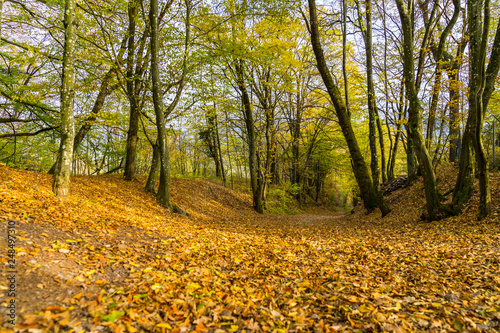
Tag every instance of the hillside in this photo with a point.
(111, 260)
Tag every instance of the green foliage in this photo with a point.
(281, 199)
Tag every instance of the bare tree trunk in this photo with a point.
(415, 113)
(437, 155)
(372, 112)
(344, 56)
(397, 138)
(359, 166)
(1, 15)
(154, 170)
(438, 74)
(383, 164)
(163, 195)
(481, 85)
(133, 130)
(219, 151)
(478, 32)
(229, 153)
(454, 124)
(251, 137)
(104, 91)
(62, 173)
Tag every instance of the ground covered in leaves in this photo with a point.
(111, 260)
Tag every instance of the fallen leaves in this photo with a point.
(141, 269)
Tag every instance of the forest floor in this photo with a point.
(111, 260)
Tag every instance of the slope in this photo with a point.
(111, 260)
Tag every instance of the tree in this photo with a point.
(415, 112)
(163, 196)
(481, 78)
(251, 137)
(372, 111)
(62, 173)
(137, 62)
(359, 166)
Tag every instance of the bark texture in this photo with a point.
(163, 196)
(360, 168)
(372, 112)
(154, 171)
(62, 173)
(415, 113)
(478, 32)
(251, 137)
(133, 129)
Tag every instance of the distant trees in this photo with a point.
(257, 92)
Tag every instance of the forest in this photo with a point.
(326, 101)
(236, 165)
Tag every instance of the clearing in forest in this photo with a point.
(111, 260)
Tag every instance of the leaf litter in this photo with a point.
(111, 260)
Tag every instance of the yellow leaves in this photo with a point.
(89, 273)
(164, 325)
(417, 315)
(258, 272)
(365, 308)
(64, 318)
(90, 247)
(351, 298)
(192, 287)
(130, 328)
(131, 263)
(233, 328)
(78, 296)
(394, 308)
(74, 240)
(156, 287)
(304, 284)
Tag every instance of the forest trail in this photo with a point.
(111, 260)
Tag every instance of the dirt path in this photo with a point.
(294, 273)
(309, 218)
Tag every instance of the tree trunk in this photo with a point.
(344, 56)
(438, 152)
(62, 172)
(454, 124)
(219, 151)
(415, 114)
(397, 138)
(154, 170)
(438, 74)
(1, 15)
(104, 91)
(383, 164)
(295, 126)
(385, 175)
(465, 180)
(478, 32)
(438, 52)
(251, 137)
(163, 196)
(359, 166)
(372, 112)
(133, 130)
